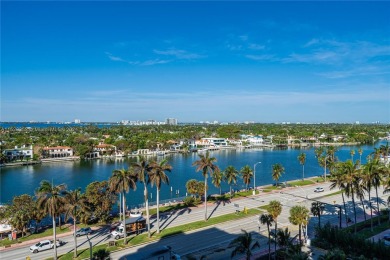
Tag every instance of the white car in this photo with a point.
(319, 189)
(44, 245)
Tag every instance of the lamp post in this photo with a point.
(254, 178)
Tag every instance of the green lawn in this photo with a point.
(364, 228)
(47, 232)
(301, 183)
(135, 240)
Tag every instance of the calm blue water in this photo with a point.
(25, 179)
(50, 124)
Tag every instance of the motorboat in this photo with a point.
(135, 213)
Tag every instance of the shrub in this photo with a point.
(191, 201)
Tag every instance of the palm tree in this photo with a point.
(302, 160)
(101, 254)
(247, 175)
(360, 151)
(283, 238)
(367, 182)
(75, 203)
(143, 169)
(376, 171)
(322, 159)
(231, 176)
(316, 209)
(299, 215)
(360, 189)
(50, 200)
(266, 219)
(121, 181)
(338, 181)
(157, 177)
(274, 209)
(277, 171)
(352, 153)
(244, 244)
(350, 171)
(216, 180)
(207, 166)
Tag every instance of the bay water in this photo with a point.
(78, 174)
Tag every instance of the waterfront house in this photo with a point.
(19, 153)
(255, 140)
(213, 142)
(175, 147)
(235, 142)
(57, 152)
(109, 150)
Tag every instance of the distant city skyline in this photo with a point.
(254, 61)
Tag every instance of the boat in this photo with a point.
(202, 150)
(135, 213)
(160, 153)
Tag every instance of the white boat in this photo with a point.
(135, 213)
(202, 150)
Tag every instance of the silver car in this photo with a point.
(83, 231)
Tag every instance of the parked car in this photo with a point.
(319, 189)
(83, 231)
(44, 245)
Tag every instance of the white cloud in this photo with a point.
(114, 58)
(179, 54)
(149, 62)
(254, 46)
(154, 62)
(266, 57)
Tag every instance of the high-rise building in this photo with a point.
(77, 121)
(171, 121)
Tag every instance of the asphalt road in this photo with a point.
(216, 238)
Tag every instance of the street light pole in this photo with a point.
(254, 178)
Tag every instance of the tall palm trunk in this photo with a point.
(303, 172)
(120, 207)
(345, 209)
(124, 218)
(369, 199)
(55, 238)
(158, 210)
(300, 234)
(74, 235)
(319, 218)
(269, 243)
(354, 209)
(276, 228)
(377, 204)
(205, 197)
(325, 169)
(147, 207)
(364, 211)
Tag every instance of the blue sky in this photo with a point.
(225, 61)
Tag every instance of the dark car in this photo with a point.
(83, 231)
